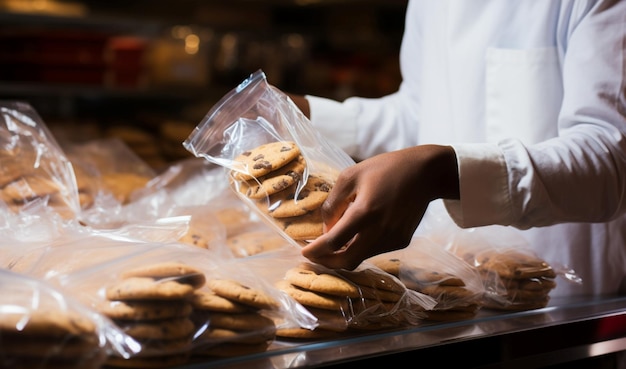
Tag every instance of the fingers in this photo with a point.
(337, 203)
(335, 237)
(362, 246)
(344, 258)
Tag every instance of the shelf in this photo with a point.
(19, 89)
(114, 24)
(565, 331)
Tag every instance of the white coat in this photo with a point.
(532, 96)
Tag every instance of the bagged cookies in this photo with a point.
(514, 277)
(171, 302)
(108, 174)
(342, 302)
(34, 167)
(429, 268)
(273, 158)
(41, 327)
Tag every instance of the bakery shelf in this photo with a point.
(566, 331)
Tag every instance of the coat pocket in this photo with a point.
(524, 91)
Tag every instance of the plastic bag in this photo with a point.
(170, 301)
(34, 167)
(273, 157)
(342, 301)
(431, 269)
(41, 327)
(108, 175)
(514, 276)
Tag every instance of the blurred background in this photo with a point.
(147, 71)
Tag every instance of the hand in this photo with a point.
(376, 205)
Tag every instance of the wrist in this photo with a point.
(440, 164)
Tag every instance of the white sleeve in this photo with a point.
(579, 176)
(366, 127)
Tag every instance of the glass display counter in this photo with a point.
(567, 330)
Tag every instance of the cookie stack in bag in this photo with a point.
(270, 178)
(230, 317)
(340, 300)
(151, 304)
(45, 338)
(515, 279)
(455, 301)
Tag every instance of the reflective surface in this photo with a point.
(566, 330)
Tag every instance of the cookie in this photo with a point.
(430, 276)
(145, 310)
(254, 242)
(447, 292)
(160, 330)
(386, 263)
(144, 288)
(28, 188)
(332, 320)
(179, 272)
(286, 204)
(274, 182)
(311, 298)
(219, 335)
(376, 294)
(513, 264)
(242, 322)
(308, 278)
(198, 237)
(264, 159)
(50, 338)
(233, 219)
(517, 295)
(377, 279)
(164, 346)
(242, 294)
(44, 323)
(13, 166)
(209, 301)
(304, 227)
(46, 347)
(122, 184)
(529, 284)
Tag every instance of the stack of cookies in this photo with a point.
(341, 300)
(229, 316)
(46, 338)
(515, 279)
(456, 298)
(151, 305)
(271, 176)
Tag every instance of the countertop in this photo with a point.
(566, 330)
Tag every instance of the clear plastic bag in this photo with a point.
(34, 167)
(41, 327)
(256, 117)
(429, 268)
(515, 278)
(168, 301)
(342, 301)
